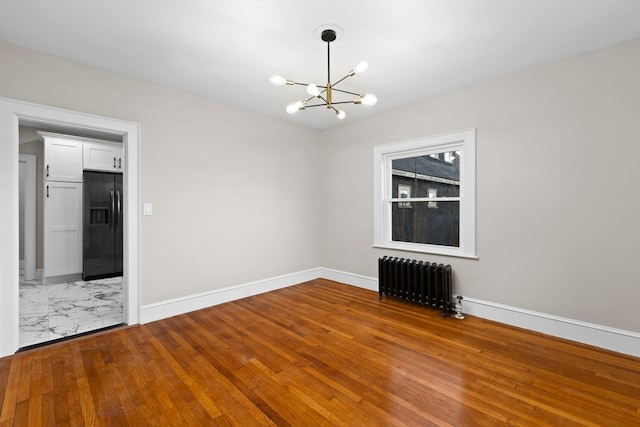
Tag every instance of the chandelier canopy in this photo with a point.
(322, 95)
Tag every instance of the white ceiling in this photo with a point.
(227, 50)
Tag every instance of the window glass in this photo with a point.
(432, 176)
(424, 224)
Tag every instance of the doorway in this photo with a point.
(14, 114)
(64, 299)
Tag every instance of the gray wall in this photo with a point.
(557, 182)
(230, 188)
(558, 199)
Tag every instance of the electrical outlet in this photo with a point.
(147, 209)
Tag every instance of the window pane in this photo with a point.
(439, 172)
(433, 223)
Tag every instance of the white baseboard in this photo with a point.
(618, 340)
(164, 309)
(350, 279)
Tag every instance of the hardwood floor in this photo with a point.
(319, 354)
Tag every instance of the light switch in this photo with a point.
(147, 209)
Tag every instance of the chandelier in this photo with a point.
(322, 95)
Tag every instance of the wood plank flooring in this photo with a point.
(319, 354)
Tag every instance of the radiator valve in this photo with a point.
(458, 308)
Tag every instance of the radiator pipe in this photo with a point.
(458, 308)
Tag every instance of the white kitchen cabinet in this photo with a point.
(103, 156)
(62, 229)
(62, 158)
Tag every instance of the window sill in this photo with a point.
(425, 250)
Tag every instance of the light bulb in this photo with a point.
(296, 106)
(313, 90)
(341, 114)
(278, 80)
(292, 108)
(361, 67)
(369, 99)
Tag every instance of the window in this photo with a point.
(432, 194)
(404, 192)
(435, 177)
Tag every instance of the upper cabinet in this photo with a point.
(66, 156)
(62, 158)
(103, 157)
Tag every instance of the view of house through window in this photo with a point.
(434, 217)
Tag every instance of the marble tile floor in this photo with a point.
(54, 311)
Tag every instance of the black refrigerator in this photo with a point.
(102, 229)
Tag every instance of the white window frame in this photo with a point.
(383, 155)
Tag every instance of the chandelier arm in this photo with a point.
(316, 105)
(324, 88)
(342, 102)
(321, 97)
(309, 99)
(346, 91)
(342, 79)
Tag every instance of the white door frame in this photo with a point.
(29, 219)
(14, 113)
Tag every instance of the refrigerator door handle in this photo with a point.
(119, 210)
(113, 210)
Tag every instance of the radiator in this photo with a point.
(421, 282)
